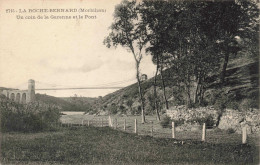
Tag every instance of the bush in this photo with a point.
(166, 121)
(178, 122)
(33, 117)
(230, 131)
(112, 109)
(208, 120)
(248, 104)
(233, 105)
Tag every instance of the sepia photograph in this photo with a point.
(129, 82)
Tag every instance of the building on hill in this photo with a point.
(143, 77)
(22, 96)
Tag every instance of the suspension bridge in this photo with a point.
(43, 86)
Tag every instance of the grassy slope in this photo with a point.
(91, 145)
(241, 81)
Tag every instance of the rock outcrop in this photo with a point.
(236, 120)
(229, 119)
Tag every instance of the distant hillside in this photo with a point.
(79, 103)
(68, 103)
(241, 87)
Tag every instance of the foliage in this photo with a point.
(178, 122)
(33, 117)
(112, 109)
(195, 39)
(248, 104)
(192, 41)
(166, 121)
(74, 103)
(208, 120)
(230, 131)
(129, 32)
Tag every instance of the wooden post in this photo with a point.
(244, 135)
(173, 130)
(152, 129)
(82, 122)
(109, 122)
(115, 123)
(124, 124)
(135, 126)
(88, 123)
(204, 132)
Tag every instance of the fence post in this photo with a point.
(204, 132)
(124, 124)
(136, 126)
(152, 129)
(115, 123)
(88, 123)
(244, 135)
(173, 130)
(109, 122)
(82, 122)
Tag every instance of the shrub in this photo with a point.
(208, 120)
(230, 131)
(112, 109)
(122, 109)
(233, 105)
(178, 122)
(33, 117)
(165, 123)
(248, 104)
(221, 103)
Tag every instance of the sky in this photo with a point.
(60, 53)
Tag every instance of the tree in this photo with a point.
(128, 31)
(196, 39)
(225, 22)
(177, 41)
(159, 16)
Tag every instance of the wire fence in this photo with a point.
(150, 128)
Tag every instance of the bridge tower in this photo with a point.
(31, 91)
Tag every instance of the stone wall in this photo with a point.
(182, 112)
(236, 120)
(229, 119)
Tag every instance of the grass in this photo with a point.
(213, 135)
(91, 145)
(103, 145)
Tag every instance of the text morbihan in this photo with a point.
(92, 10)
